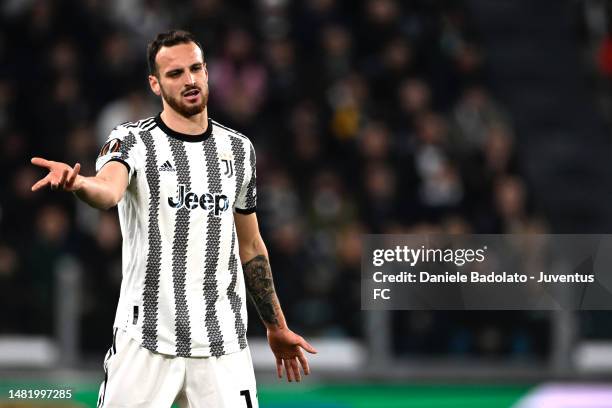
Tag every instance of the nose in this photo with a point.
(190, 78)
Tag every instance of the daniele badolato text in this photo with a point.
(470, 258)
(478, 277)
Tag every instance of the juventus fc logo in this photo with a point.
(229, 167)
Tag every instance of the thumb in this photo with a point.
(306, 346)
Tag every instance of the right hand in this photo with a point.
(61, 176)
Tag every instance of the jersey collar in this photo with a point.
(183, 136)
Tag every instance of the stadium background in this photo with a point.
(372, 116)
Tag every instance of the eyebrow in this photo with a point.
(179, 70)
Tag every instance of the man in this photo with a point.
(186, 196)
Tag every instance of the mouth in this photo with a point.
(192, 94)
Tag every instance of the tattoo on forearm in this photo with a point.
(259, 283)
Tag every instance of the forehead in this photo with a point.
(178, 56)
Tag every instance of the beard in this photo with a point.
(181, 107)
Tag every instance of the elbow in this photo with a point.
(113, 202)
(109, 203)
(116, 200)
(104, 206)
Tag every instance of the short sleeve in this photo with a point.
(246, 202)
(121, 146)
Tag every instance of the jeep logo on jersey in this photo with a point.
(207, 201)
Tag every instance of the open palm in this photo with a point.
(61, 176)
(287, 348)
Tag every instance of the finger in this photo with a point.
(304, 362)
(39, 161)
(73, 174)
(288, 370)
(306, 346)
(279, 367)
(63, 178)
(296, 370)
(40, 184)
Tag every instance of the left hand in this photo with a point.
(287, 348)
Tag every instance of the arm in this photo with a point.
(103, 191)
(286, 345)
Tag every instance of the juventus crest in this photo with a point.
(227, 164)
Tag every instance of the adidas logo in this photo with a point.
(167, 166)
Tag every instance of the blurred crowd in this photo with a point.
(595, 22)
(371, 116)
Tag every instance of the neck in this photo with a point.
(194, 125)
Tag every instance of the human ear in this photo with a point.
(154, 84)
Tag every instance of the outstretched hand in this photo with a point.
(61, 176)
(287, 348)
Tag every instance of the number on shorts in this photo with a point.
(247, 397)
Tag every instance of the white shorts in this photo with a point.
(137, 377)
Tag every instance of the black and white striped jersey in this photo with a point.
(183, 290)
